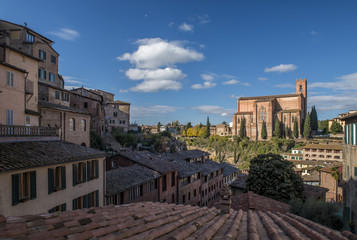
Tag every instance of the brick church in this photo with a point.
(286, 108)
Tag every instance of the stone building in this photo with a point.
(287, 108)
(327, 153)
(349, 173)
(49, 176)
(327, 180)
(223, 130)
(230, 173)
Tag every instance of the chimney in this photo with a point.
(226, 199)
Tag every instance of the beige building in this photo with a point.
(54, 176)
(223, 130)
(328, 153)
(287, 108)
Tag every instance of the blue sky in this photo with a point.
(184, 60)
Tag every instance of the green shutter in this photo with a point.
(84, 172)
(51, 210)
(39, 73)
(85, 201)
(74, 170)
(74, 204)
(96, 168)
(97, 198)
(88, 171)
(15, 189)
(64, 207)
(45, 74)
(63, 177)
(32, 184)
(51, 180)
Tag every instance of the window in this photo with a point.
(59, 208)
(42, 74)
(27, 120)
(83, 125)
(57, 95)
(115, 106)
(300, 88)
(86, 201)
(152, 185)
(72, 124)
(93, 169)
(9, 117)
(194, 193)
(9, 79)
(42, 54)
(23, 187)
(56, 179)
(85, 104)
(355, 171)
(29, 37)
(115, 114)
(85, 171)
(135, 192)
(53, 59)
(173, 179)
(65, 96)
(52, 77)
(164, 183)
(189, 196)
(173, 198)
(183, 198)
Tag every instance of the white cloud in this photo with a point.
(262, 79)
(68, 87)
(66, 34)
(217, 110)
(151, 111)
(347, 82)
(205, 85)
(234, 96)
(208, 77)
(186, 27)
(203, 19)
(171, 23)
(285, 85)
(334, 102)
(282, 68)
(149, 74)
(231, 82)
(156, 52)
(123, 90)
(156, 85)
(72, 80)
(313, 32)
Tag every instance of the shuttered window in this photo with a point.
(56, 179)
(59, 208)
(10, 79)
(9, 117)
(23, 187)
(85, 171)
(86, 201)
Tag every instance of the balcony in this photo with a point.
(16, 133)
(29, 87)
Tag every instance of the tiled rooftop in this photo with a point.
(270, 96)
(324, 146)
(208, 166)
(148, 220)
(228, 168)
(184, 168)
(24, 155)
(314, 192)
(60, 107)
(240, 181)
(150, 160)
(122, 178)
(194, 153)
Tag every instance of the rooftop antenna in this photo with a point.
(25, 24)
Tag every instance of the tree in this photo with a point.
(188, 125)
(264, 133)
(208, 128)
(202, 132)
(224, 123)
(323, 126)
(158, 126)
(307, 126)
(242, 128)
(336, 128)
(196, 130)
(287, 132)
(277, 128)
(296, 129)
(272, 176)
(313, 118)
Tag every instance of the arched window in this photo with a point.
(83, 125)
(300, 88)
(238, 120)
(72, 124)
(262, 114)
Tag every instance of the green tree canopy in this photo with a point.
(296, 129)
(277, 128)
(313, 118)
(336, 128)
(264, 133)
(307, 126)
(272, 176)
(323, 126)
(208, 128)
(242, 131)
(287, 132)
(202, 132)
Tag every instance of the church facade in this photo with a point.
(286, 108)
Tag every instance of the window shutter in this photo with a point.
(63, 177)
(8, 78)
(88, 171)
(89, 200)
(51, 210)
(96, 168)
(84, 172)
(51, 180)
(74, 204)
(85, 201)
(45, 74)
(74, 170)
(15, 189)
(64, 207)
(346, 134)
(97, 198)
(32, 184)
(39, 73)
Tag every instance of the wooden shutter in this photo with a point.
(97, 198)
(84, 172)
(32, 184)
(85, 201)
(74, 204)
(15, 189)
(96, 168)
(64, 207)
(74, 170)
(51, 180)
(88, 171)
(63, 177)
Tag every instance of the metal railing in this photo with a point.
(15, 130)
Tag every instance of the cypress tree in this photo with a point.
(296, 129)
(307, 126)
(264, 133)
(287, 132)
(277, 128)
(242, 128)
(208, 125)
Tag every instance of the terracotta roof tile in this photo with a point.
(228, 168)
(149, 220)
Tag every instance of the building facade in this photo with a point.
(287, 108)
(327, 153)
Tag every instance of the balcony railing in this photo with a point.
(14, 131)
